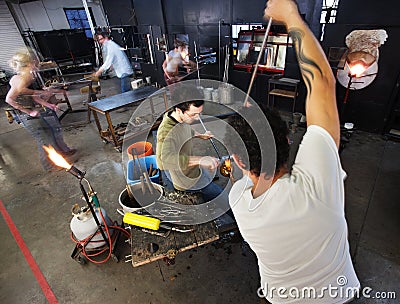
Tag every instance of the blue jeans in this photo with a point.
(46, 130)
(205, 186)
(125, 84)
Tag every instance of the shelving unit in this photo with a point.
(249, 44)
(283, 87)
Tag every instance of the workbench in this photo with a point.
(148, 246)
(169, 246)
(107, 105)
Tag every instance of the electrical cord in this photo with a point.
(83, 243)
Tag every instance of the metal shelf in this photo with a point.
(283, 87)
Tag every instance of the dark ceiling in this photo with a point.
(20, 1)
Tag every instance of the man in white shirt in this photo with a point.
(115, 57)
(294, 221)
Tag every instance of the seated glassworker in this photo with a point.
(188, 172)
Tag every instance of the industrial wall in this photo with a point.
(11, 38)
(47, 15)
(207, 22)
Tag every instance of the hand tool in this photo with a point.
(141, 176)
(144, 174)
(169, 211)
(211, 140)
(129, 191)
(151, 223)
(141, 221)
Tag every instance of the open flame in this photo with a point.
(357, 69)
(228, 163)
(57, 158)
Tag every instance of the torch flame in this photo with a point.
(57, 158)
(357, 69)
(228, 163)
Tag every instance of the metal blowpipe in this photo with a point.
(212, 142)
(258, 61)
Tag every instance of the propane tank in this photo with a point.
(83, 225)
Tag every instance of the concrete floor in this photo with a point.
(39, 204)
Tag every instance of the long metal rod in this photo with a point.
(258, 61)
(212, 142)
(219, 49)
(197, 61)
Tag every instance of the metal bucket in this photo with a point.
(131, 204)
(225, 94)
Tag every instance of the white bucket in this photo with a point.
(131, 205)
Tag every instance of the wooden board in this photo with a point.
(174, 241)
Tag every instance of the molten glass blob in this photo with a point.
(226, 168)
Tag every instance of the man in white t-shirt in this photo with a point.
(294, 221)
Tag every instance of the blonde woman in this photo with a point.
(33, 107)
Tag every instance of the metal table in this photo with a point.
(107, 105)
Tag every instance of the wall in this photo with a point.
(369, 12)
(11, 39)
(47, 15)
(119, 12)
(202, 19)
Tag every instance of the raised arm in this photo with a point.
(321, 106)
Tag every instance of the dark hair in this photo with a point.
(184, 106)
(252, 157)
(178, 43)
(103, 31)
(184, 95)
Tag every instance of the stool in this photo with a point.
(283, 87)
(92, 89)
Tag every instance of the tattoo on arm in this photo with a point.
(307, 65)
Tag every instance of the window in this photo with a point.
(328, 14)
(236, 28)
(77, 19)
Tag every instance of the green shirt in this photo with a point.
(174, 147)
